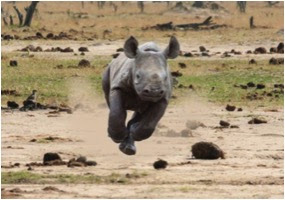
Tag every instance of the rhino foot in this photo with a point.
(128, 146)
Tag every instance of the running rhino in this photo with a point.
(139, 80)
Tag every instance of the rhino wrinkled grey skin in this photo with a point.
(139, 80)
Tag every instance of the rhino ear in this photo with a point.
(173, 48)
(131, 47)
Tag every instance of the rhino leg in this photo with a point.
(117, 117)
(106, 84)
(147, 121)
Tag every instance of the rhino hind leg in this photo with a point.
(106, 84)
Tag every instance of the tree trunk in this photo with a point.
(30, 12)
(20, 16)
(251, 22)
(11, 20)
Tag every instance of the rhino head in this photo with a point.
(150, 73)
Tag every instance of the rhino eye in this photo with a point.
(138, 76)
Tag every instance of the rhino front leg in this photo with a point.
(117, 117)
(144, 128)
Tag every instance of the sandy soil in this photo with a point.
(253, 167)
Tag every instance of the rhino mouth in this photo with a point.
(153, 98)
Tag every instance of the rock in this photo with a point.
(249, 52)
(12, 104)
(276, 61)
(260, 86)
(188, 54)
(186, 133)
(252, 61)
(243, 87)
(207, 150)
(81, 159)
(182, 65)
(279, 86)
(239, 109)
(83, 49)
(90, 163)
(224, 123)
(257, 121)
(50, 157)
(75, 164)
(250, 84)
(160, 164)
(273, 50)
(13, 63)
(84, 63)
(260, 50)
(120, 50)
(234, 126)
(205, 54)
(176, 74)
(82, 54)
(50, 36)
(33, 140)
(202, 48)
(39, 35)
(67, 50)
(280, 47)
(115, 55)
(230, 108)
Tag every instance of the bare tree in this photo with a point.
(242, 6)
(30, 11)
(20, 16)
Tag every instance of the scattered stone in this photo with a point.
(202, 48)
(83, 49)
(260, 50)
(160, 164)
(230, 108)
(280, 47)
(176, 74)
(257, 121)
(81, 159)
(188, 54)
(30, 168)
(252, 61)
(33, 140)
(13, 63)
(12, 105)
(120, 50)
(207, 150)
(273, 50)
(250, 84)
(67, 50)
(39, 35)
(276, 61)
(260, 86)
(234, 126)
(249, 52)
(182, 65)
(9, 92)
(84, 63)
(90, 163)
(50, 36)
(82, 54)
(48, 157)
(239, 109)
(224, 123)
(205, 54)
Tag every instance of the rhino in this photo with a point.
(138, 80)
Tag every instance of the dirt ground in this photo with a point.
(253, 167)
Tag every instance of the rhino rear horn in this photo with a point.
(131, 47)
(173, 48)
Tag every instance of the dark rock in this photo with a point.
(243, 87)
(83, 49)
(202, 48)
(249, 52)
(224, 123)
(12, 105)
(276, 61)
(205, 54)
(273, 50)
(81, 159)
(257, 121)
(239, 109)
(50, 36)
(234, 126)
(50, 157)
(115, 55)
(230, 108)
(13, 63)
(252, 61)
(260, 86)
(176, 74)
(120, 50)
(280, 47)
(39, 35)
(182, 65)
(188, 54)
(207, 150)
(84, 63)
(160, 164)
(33, 140)
(260, 50)
(90, 163)
(250, 84)
(67, 50)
